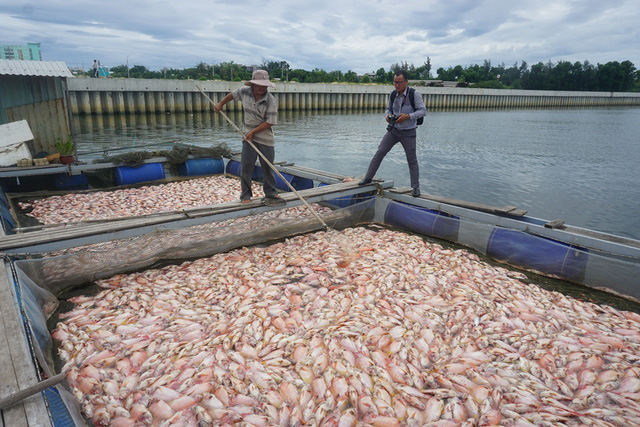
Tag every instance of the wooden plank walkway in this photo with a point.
(17, 371)
(507, 210)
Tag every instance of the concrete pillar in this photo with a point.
(150, 102)
(197, 101)
(160, 106)
(119, 102)
(73, 103)
(107, 102)
(140, 105)
(290, 101)
(84, 106)
(128, 102)
(96, 103)
(178, 102)
(188, 102)
(169, 102)
(205, 105)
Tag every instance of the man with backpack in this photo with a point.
(403, 118)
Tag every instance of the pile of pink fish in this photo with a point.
(365, 326)
(101, 205)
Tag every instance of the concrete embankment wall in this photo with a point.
(116, 96)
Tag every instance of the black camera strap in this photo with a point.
(393, 98)
(410, 95)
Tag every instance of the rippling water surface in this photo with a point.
(582, 166)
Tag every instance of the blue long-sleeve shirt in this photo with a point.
(399, 108)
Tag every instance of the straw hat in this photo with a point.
(261, 78)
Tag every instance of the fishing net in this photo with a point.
(180, 153)
(59, 273)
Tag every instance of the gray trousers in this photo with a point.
(247, 165)
(408, 140)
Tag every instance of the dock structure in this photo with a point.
(120, 96)
(16, 366)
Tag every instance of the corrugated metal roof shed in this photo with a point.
(35, 91)
(11, 67)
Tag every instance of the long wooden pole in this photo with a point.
(30, 391)
(266, 160)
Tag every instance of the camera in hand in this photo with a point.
(392, 121)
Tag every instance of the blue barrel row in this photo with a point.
(125, 175)
(510, 246)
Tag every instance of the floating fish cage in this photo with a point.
(383, 309)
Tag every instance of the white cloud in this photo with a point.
(361, 36)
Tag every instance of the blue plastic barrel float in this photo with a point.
(206, 166)
(234, 168)
(296, 182)
(71, 182)
(133, 175)
(344, 201)
(539, 253)
(422, 220)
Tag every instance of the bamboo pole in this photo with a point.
(267, 161)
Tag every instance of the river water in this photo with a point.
(581, 166)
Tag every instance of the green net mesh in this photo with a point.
(180, 153)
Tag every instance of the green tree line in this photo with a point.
(613, 76)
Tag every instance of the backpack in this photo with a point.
(411, 99)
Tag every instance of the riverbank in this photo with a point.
(115, 96)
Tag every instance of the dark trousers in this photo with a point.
(408, 140)
(248, 163)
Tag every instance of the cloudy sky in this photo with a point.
(361, 36)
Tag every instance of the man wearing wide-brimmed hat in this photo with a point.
(260, 114)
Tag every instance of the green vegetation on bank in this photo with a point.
(613, 76)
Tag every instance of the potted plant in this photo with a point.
(66, 150)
